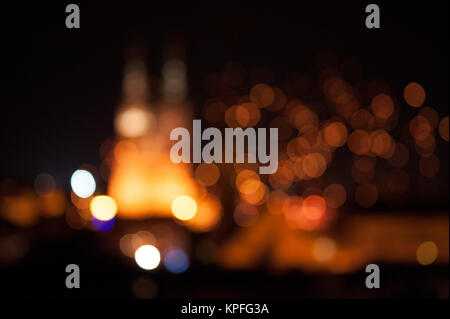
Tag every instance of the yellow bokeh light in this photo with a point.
(103, 207)
(184, 207)
(134, 121)
(427, 253)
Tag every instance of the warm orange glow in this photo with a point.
(443, 128)
(306, 217)
(335, 134)
(255, 192)
(292, 207)
(297, 147)
(302, 116)
(126, 152)
(231, 116)
(365, 238)
(427, 146)
(420, 128)
(382, 106)
(431, 115)
(244, 176)
(427, 253)
(250, 186)
(21, 210)
(282, 179)
(262, 95)
(414, 94)
(335, 195)
(279, 101)
(79, 202)
(359, 142)
(314, 207)
(103, 207)
(314, 165)
(382, 144)
(362, 119)
(324, 249)
(134, 121)
(149, 183)
(184, 207)
(275, 202)
(341, 94)
(208, 216)
(129, 243)
(245, 215)
(247, 114)
(207, 174)
(53, 204)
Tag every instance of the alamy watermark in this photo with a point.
(212, 152)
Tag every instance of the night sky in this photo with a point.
(65, 85)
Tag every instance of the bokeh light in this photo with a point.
(207, 174)
(245, 215)
(443, 128)
(208, 216)
(83, 183)
(176, 261)
(414, 94)
(335, 134)
(103, 207)
(103, 226)
(314, 207)
(134, 121)
(382, 106)
(359, 142)
(147, 257)
(335, 195)
(184, 207)
(262, 95)
(427, 253)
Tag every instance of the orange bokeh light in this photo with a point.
(335, 134)
(414, 94)
(382, 106)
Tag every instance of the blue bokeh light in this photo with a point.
(101, 225)
(176, 261)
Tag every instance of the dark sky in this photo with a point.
(62, 86)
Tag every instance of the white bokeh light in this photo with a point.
(83, 183)
(147, 257)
